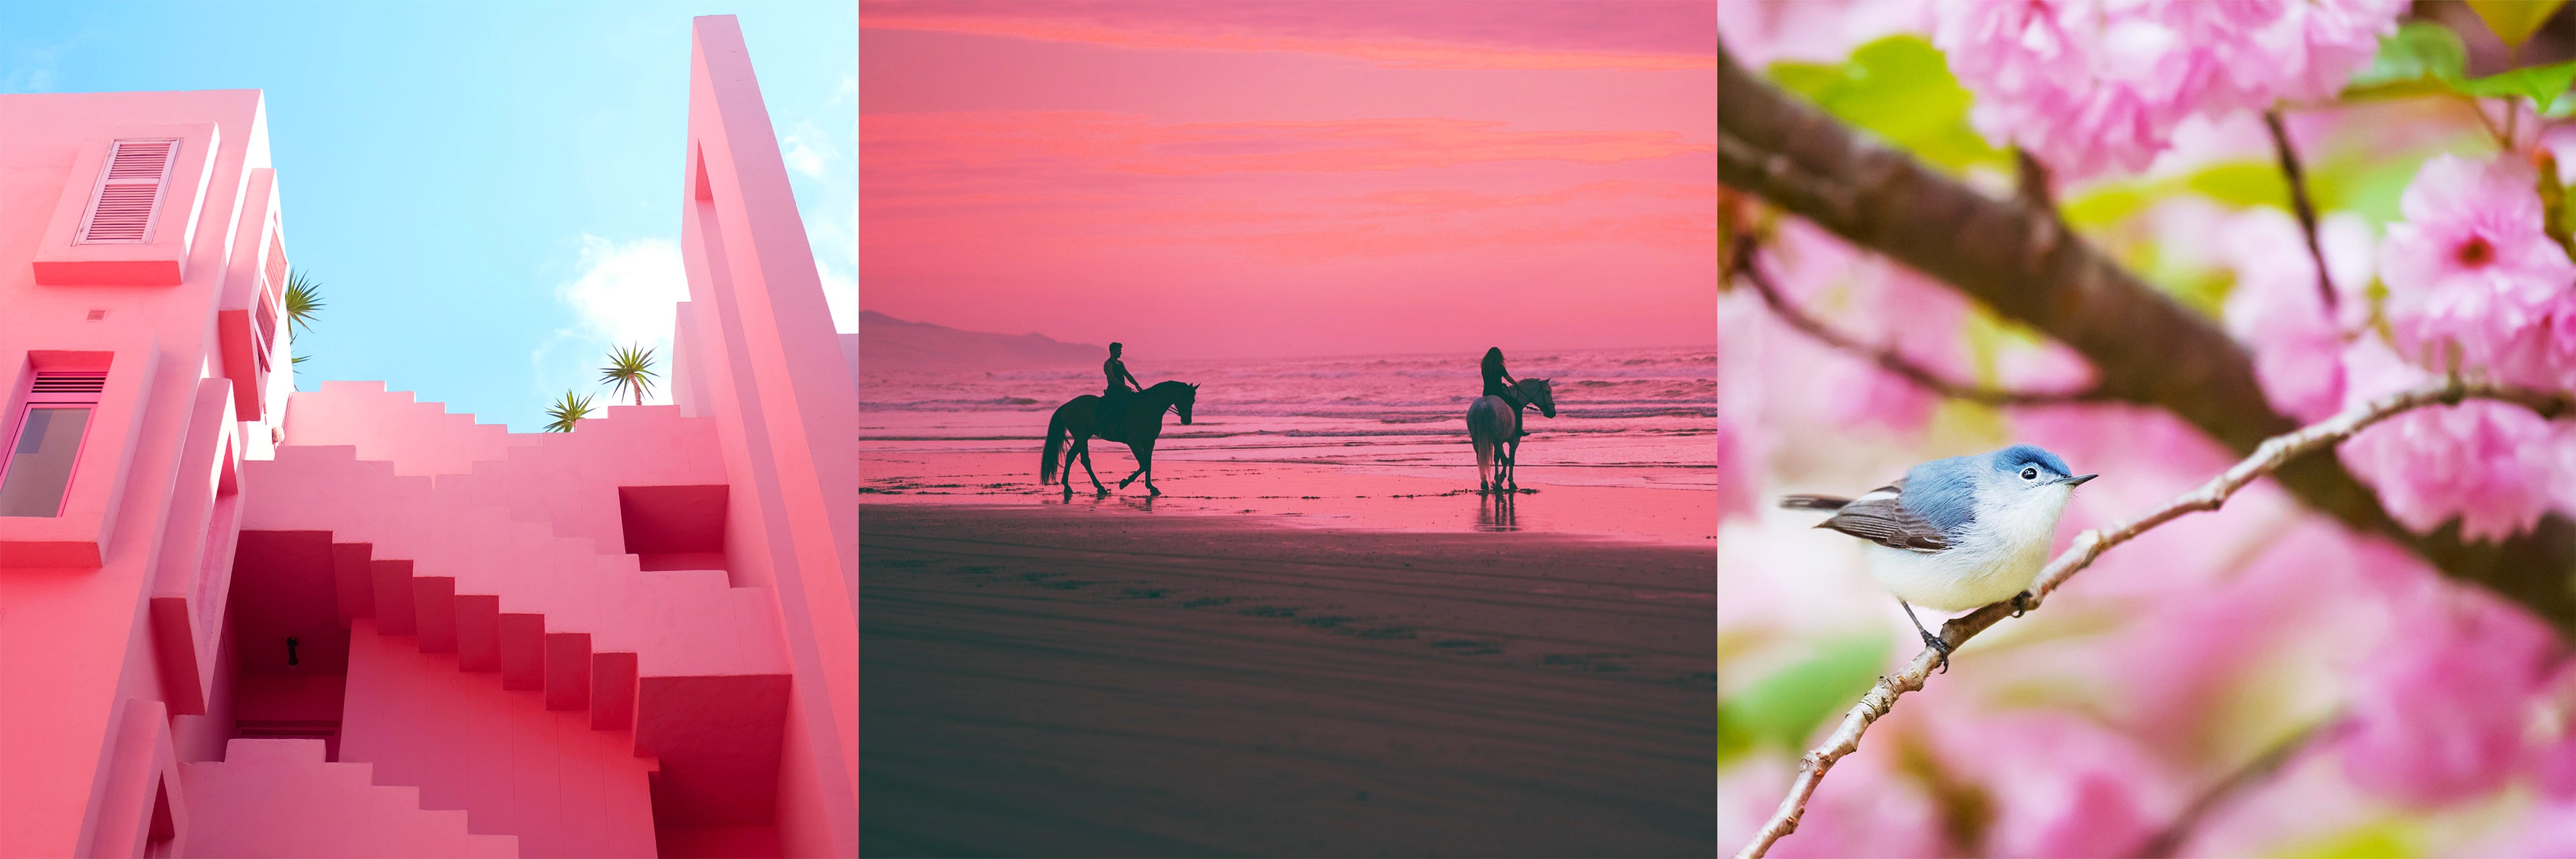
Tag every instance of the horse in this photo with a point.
(1498, 438)
(1079, 419)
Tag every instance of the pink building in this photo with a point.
(240, 620)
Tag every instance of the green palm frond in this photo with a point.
(629, 371)
(303, 300)
(568, 412)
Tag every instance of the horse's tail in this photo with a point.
(1056, 434)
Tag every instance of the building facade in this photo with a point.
(242, 620)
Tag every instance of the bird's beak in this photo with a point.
(2079, 479)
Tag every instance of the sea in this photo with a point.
(1638, 417)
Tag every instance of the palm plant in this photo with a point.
(629, 371)
(303, 302)
(567, 412)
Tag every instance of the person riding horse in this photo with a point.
(1498, 381)
(1121, 383)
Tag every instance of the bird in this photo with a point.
(1954, 534)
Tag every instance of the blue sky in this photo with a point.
(489, 193)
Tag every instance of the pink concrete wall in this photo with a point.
(512, 765)
(278, 798)
(768, 366)
(75, 642)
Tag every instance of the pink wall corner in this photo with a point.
(138, 768)
(786, 409)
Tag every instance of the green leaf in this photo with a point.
(2542, 84)
(2515, 20)
(1807, 79)
(1900, 89)
(2421, 58)
(2242, 183)
(2378, 839)
(1781, 710)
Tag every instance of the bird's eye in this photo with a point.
(2029, 473)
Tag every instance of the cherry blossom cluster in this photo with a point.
(2093, 85)
(2475, 283)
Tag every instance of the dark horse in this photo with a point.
(1137, 429)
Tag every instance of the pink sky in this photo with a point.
(1223, 179)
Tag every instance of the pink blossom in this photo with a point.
(2062, 785)
(2090, 86)
(2548, 832)
(2323, 44)
(2275, 308)
(2490, 464)
(1738, 481)
(1760, 32)
(2442, 705)
(2472, 271)
(2555, 768)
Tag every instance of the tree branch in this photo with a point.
(2268, 457)
(1888, 358)
(2299, 204)
(2145, 348)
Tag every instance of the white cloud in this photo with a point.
(848, 93)
(834, 236)
(841, 293)
(622, 293)
(31, 67)
(808, 152)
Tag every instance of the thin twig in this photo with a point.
(2268, 457)
(2168, 841)
(2299, 203)
(1887, 357)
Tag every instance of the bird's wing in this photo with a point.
(1880, 517)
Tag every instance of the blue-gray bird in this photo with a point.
(1957, 533)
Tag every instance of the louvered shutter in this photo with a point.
(128, 199)
(53, 386)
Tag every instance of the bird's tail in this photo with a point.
(1812, 502)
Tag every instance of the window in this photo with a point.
(46, 442)
(123, 209)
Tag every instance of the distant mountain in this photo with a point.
(889, 343)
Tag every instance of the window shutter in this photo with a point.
(276, 264)
(70, 383)
(128, 199)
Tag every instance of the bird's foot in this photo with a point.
(1935, 642)
(2021, 603)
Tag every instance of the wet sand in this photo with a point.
(1097, 681)
(1554, 499)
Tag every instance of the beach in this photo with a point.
(1097, 680)
(1320, 640)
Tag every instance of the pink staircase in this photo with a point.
(279, 798)
(430, 440)
(690, 666)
